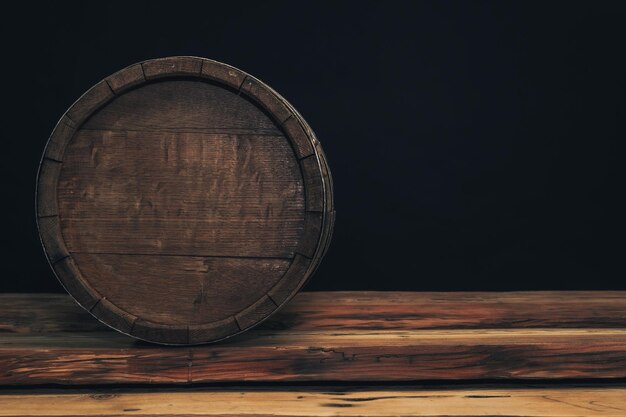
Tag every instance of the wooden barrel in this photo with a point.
(183, 201)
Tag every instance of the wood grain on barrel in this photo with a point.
(539, 401)
(336, 337)
(184, 193)
(196, 278)
(183, 105)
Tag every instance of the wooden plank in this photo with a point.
(158, 107)
(268, 100)
(179, 65)
(605, 401)
(126, 78)
(414, 355)
(313, 184)
(368, 310)
(226, 74)
(103, 358)
(50, 233)
(255, 312)
(72, 280)
(287, 284)
(89, 102)
(111, 358)
(311, 235)
(454, 310)
(59, 138)
(196, 294)
(338, 336)
(44, 313)
(46, 188)
(300, 140)
(181, 194)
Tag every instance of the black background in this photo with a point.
(474, 145)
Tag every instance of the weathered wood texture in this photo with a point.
(398, 401)
(182, 201)
(352, 336)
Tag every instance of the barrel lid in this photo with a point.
(183, 201)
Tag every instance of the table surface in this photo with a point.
(341, 336)
(342, 353)
(571, 401)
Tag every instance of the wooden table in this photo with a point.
(343, 353)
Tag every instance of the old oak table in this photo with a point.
(350, 353)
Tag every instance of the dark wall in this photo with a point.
(474, 145)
